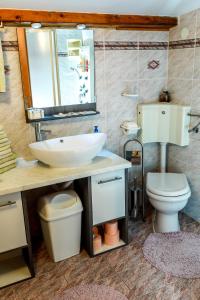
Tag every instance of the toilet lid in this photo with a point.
(167, 184)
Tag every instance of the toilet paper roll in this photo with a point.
(95, 230)
(97, 242)
(111, 228)
(111, 240)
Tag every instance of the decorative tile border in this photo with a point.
(116, 45)
(153, 45)
(9, 45)
(197, 43)
(192, 43)
(130, 45)
(182, 44)
(100, 45)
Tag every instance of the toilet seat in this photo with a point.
(168, 199)
(168, 193)
(166, 185)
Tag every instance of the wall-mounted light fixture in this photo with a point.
(80, 26)
(36, 25)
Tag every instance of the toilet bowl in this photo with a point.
(168, 193)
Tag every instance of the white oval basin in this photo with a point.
(69, 151)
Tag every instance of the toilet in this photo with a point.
(167, 192)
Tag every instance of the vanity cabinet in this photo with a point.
(102, 187)
(108, 196)
(15, 247)
(105, 198)
(12, 227)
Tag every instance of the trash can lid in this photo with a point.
(59, 205)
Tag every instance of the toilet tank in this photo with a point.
(164, 122)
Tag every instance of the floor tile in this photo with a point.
(42, 287)
(7, 293)
(125, 269)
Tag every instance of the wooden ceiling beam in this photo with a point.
(91, 19)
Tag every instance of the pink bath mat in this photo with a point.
(92, 292)
(175, 253)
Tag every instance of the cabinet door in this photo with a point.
(12, 228)
(108, 196)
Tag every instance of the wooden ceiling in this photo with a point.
(134, 22)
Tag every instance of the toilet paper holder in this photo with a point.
(136, 192)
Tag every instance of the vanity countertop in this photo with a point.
(27, 178)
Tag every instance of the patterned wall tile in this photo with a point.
(149, 89)
(100, 81)
(99, 34)
(120, 35)
(181, 63)
(121, 65)
(146, 36)
(186, 28)
(145, 56)
(184, 85)
(180, 90)
(197, 64)
(196, 95)
(198, 24)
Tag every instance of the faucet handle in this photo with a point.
(45, 131)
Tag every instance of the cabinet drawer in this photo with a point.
(12, 228)
(108, 196)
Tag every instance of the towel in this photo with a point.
(2, 72)
(4, 144)
(3, 136)
(5, 169)
(8, 163)
(3, 152)
(7, 157)
(4, 147)
(3, 140)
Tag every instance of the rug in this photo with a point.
(175, 253)
(92, 292)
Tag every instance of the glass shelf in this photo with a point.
(134, 96)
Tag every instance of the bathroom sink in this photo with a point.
(69, 151)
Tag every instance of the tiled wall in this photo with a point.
(122, 59)
(184, 84)
(121, 63)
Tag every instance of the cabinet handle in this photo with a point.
(8, 203)
(109, 180)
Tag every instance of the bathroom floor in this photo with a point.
(124, 269)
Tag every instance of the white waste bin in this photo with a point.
(60, 215)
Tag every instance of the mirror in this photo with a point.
(61, 67)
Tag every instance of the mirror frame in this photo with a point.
(26, 85)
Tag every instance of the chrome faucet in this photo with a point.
(40, 134)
